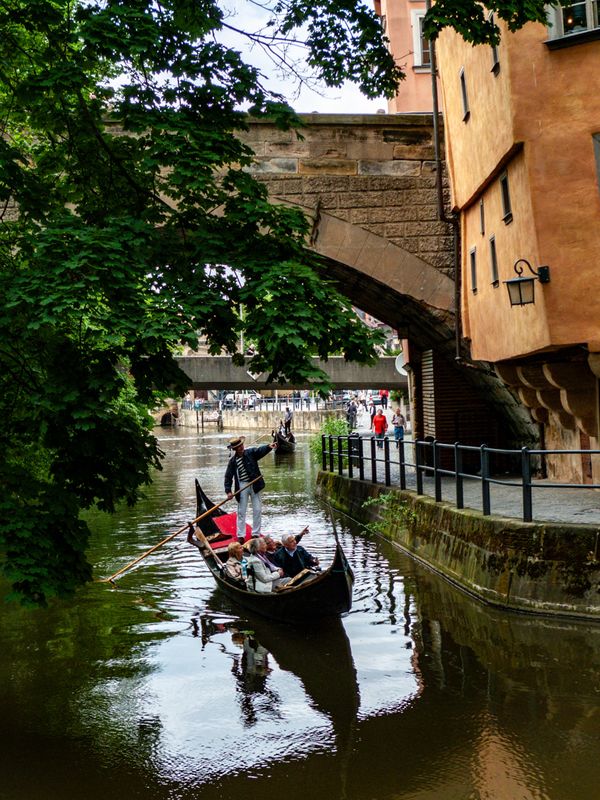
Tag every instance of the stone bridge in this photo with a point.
(218, 372)
(368, 183)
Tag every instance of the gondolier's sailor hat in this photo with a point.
(236, 442)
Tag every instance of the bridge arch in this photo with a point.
(368, 183)
(361, 252)
(383, 279)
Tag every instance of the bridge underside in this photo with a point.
(431, 330)
(218, 372)
(416, 299)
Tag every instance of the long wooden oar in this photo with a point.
(259, 438)
(173, 535)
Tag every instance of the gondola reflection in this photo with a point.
(321, 659)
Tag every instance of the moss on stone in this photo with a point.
(544, 567)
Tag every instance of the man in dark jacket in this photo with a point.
(292, 557)
(242, 470)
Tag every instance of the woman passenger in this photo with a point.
(265, 575)
(235, 562)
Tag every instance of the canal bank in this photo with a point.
(538, 567)
(311, 421)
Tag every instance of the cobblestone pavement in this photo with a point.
(550, 504)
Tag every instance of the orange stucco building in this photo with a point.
(522, 128)
(402, 22)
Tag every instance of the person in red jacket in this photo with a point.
(380, 426)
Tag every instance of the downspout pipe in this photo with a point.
(451, 219)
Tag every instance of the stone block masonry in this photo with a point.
(374, 171)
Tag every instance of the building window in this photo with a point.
(494, 261)
(464, 95)
(506, 206)
(421, 49)
(596, 138)
(495, 56)
(481, 217)
(577, 17)
(473, 262)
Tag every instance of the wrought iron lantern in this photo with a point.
(521, 290)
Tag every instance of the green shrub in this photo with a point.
(335, 426)
(392, 511)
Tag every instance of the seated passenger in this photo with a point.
(271, 547)
(236, 561)
(264, 576)
(292, 557)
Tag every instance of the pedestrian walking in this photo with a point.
(380, 426)
(351, 415)
(372, 412)
(399, 424)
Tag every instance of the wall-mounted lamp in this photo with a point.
(521, 291)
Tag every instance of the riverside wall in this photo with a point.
(240, 421)
(543, 568)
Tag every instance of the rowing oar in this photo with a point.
(173, 535)
(259, 438)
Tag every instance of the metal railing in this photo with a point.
(266, 404)
(381, 460)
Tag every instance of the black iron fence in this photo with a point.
(430, 467)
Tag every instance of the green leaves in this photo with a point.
(345, 41)
(295, 315)
(138, 230)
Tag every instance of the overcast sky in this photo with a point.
(348, 100)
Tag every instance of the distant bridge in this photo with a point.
(218, 372)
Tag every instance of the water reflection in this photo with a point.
(163, 689)
(323, 663)
(250, 667)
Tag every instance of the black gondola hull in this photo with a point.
(329, 594)
(284, 445)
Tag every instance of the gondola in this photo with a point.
(326, 594)
(285, 443)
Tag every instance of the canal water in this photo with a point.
(161, 689)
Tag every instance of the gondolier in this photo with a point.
(241, 470)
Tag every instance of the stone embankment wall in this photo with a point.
(546, 568)
(240, 421)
